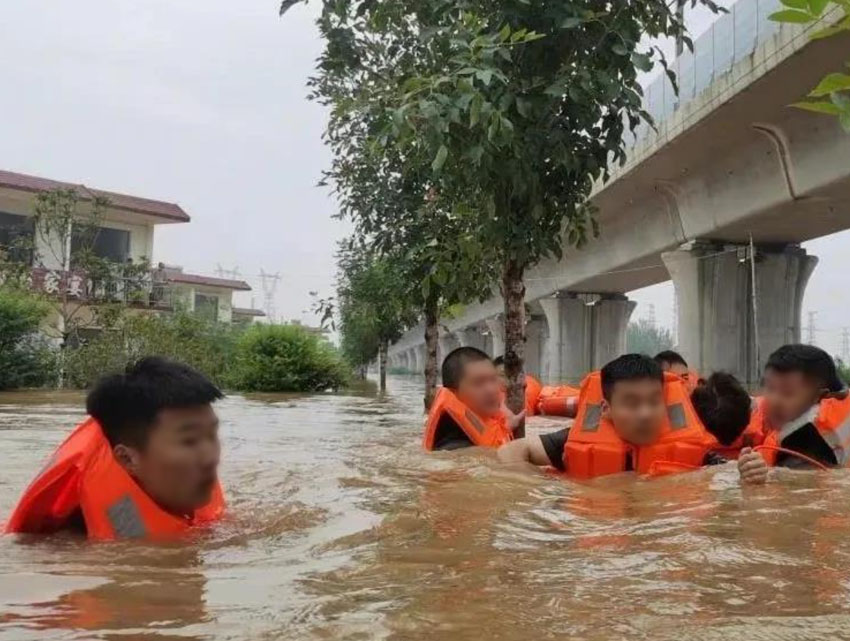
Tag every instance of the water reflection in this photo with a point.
(341, 528)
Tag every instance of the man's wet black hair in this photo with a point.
(631, 367)
(455, 363)
(670, 357)
(127, 405)
(810, 361)
(499, 361)
(723, 405)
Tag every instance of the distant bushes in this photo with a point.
(26, 360)
(286, 358)
(207, 346)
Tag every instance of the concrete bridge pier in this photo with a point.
(714, 287)
(418, 359)
(497, 336)
(585, 331)
(447, 344)
(471, 337)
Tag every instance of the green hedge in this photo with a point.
(286, 358)
(26, 360)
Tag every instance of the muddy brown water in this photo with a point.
(341, 528)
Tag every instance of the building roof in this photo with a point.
(125, 202)
(175, 276)
(244, 311)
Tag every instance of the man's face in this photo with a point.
(637, 410)
(177, 467)
(788, 395)
(480, 388)
(500, 370)
(676, 368)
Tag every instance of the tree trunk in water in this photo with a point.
(382, 365)
(513, 291)
(432, 334)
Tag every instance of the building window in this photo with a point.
(206, 307)
(16, 235)
(109, 244)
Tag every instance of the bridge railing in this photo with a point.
(729, 40)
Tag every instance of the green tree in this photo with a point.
(25, 361)
(286, 358)
(832, 95)
(374, 308)
(520, 106)
(644, 337)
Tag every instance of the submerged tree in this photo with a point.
(519, 106)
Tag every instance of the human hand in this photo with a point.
(752, 467)
(515, 421)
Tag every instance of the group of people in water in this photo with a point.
(144, 464)
(654, 416)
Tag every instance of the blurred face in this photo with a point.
(500, 369)
(676, 368)
(789, 395)
(637, 410)
(481, 388)
(178, 466)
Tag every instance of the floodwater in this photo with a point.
(341, 528)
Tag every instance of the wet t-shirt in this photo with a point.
(554, 444)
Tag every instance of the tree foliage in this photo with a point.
(25, 360)
(832, 94)
(286, 358)
(644, 337)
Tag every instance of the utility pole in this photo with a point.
(270, 283)
(811, 329)
(675, 318)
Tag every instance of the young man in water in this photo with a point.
(161, 444)
(802, 392)
(472, 377)
(725, 408)
(634, 403)
(674, 363)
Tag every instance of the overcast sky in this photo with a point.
(204, 104)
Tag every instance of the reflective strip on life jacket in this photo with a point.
(594, 448)
(481, 431)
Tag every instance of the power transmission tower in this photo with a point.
(651, 319)
(811, 329)
(232, 274)
(845, 345)
(270, 283)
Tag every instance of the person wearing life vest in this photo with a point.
(725, 408)
(143, 465)
(468, 410)
(632, 417)
(533, 387)
(674, 363)
(805, 415)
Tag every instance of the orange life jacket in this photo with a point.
(482, 431)
(83, 475)
(594, 449)
(559, 401)
(533, 388)
(832, 420)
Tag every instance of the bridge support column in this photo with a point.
(585, 332)
(448, 343)
(535, 337)
(714, 288)
(418, 359)
(470, 337)
(497, 336)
